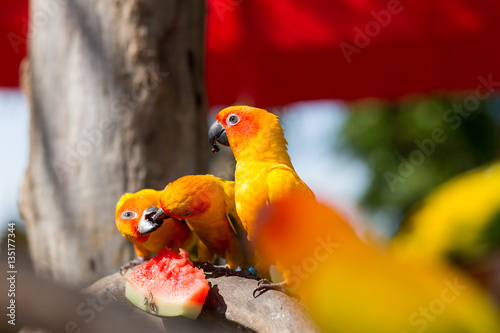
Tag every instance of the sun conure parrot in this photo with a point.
(351, 286)
(459, 223)
(207, 205)
(131, 211)
(264, 172)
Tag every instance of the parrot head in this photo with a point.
(244, 126)
(186, 197)
(133, 215)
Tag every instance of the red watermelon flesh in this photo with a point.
(168, 285)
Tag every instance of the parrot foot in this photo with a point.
(244, 273)
(207, 266)
(264, 285)
(216, 271)
(134, 262)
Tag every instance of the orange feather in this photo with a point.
(173, 234)
(207, 204)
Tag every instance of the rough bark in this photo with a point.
(45, 306)
(117, 104)
(229, 307)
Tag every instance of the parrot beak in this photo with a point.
(159, 216)
(217, 133)
(147, 224)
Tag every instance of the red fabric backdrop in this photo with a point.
(13, 33)
(276, 52)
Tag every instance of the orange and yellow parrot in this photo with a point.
(264, 172)
(131, 212)
(459, 223)
(207, 205)
(351, 286)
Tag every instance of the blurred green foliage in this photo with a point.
(413, 146)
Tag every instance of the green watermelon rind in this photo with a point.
(166, 308)
(166, 266)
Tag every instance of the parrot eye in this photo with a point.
(232, 119)
(187, 213)
(127, 215)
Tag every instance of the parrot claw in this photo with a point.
(223, 271)
(207, 266)
(216, 271)
(244, 273)
(264, 285)
(135, 262)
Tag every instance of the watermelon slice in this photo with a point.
(168, 285)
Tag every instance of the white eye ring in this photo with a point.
(128, 215)
(232, 119)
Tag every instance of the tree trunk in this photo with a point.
(117, 104)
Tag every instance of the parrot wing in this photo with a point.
(236, 226)
(232, 217)
(282, 181)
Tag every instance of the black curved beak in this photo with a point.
(148, 223)
(160, 215)
(217, 133)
